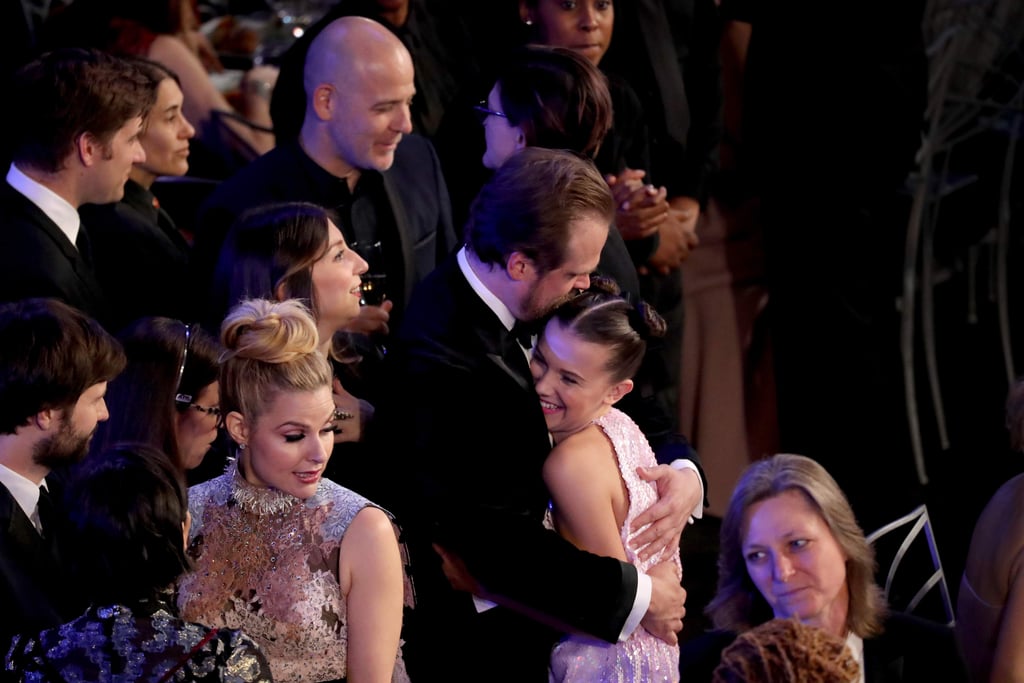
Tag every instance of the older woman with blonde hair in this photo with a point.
(790, 547)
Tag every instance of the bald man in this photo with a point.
(356, 155)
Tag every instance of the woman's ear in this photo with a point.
(618, 391)
(237, 428)
(520, 139)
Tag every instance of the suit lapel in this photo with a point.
(45, 224)
(403, 230)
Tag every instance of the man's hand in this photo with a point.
(679, 494)
(664, 618)
(457, 573)
(372, 319)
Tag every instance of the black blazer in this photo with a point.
(34, 590)
(909, 650)
(414, 185)
(140, 257)
(38, 260)
(462, 416)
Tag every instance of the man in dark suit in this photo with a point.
(356, 156)
(77, 125)
(57, 363)
(464, 414)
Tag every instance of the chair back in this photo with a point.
(909, 568)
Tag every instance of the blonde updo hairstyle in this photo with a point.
(271, 347)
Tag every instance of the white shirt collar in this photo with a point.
(856, 645)
(492, 301)
(25, 493)
(57, 209)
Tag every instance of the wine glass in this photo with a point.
(374, 285)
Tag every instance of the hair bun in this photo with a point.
(269, 331)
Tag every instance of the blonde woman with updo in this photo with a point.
(311, 570)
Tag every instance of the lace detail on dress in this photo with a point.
(642, 657)
(267, 563)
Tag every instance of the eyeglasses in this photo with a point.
(180, 398)
(211, 410)
(185, 401)
(482, 111)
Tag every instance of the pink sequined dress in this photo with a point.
(267, 563)
(642, 657)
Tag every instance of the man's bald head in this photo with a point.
(349, 47)
(359, 83)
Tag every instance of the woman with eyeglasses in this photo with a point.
(167, 396)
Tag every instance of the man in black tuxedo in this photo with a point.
(75, 138)
(463, 413)
(57, 362)
(355, 154)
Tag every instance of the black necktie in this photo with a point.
(83, 246)
(46, 514)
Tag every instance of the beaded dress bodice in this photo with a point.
(144, 642)
(267, 563)
(642, 657)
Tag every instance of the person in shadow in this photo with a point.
(129, 525)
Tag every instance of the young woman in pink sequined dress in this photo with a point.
(582, 365)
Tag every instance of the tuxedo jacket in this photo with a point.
(464, 420)
(417, 198)
(908, 650)
(34, 590)
(38, 260)
(140, 258)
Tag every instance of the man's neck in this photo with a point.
(60, 183)
(317, 150)
(16, 455)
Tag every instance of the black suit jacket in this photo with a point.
(34, 591)
(38, 260)
(140, 257)
(909, 650)
(414, 185)
(463, 416)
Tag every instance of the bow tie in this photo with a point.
(524, 332)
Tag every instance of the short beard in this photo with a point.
(65, 447)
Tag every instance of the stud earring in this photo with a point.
(241, 446)
(528, 22)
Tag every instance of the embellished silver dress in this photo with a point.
(642, 657)
(267, 563)
(146, 642)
